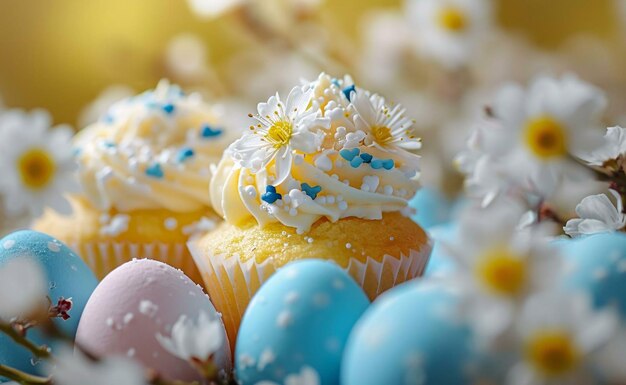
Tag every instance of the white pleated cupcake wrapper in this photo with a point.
(102, 257)
(231, 271)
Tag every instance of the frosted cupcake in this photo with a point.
(144, 168)
(325, 173)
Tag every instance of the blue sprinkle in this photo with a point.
(311, 191)
(376, 164)
(168, 108)
(388, 164)
(155, 171)
(348, 92)
(270, 196)
(209, 132)
(367, 158)
(108, 119)
(76, 151)
(107, 144)
(349, 154)
(184, 154)
(335, 81)
(356, 162)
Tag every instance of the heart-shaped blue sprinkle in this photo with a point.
(155, 171)
(184, 154)
(270, 196)
(388, 164)
(376, 164)
(311, 191)
(367, 158)
(349, 154)
(168, 108)
(209, 132)
(348, 92)
(356, 162)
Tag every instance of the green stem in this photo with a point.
(22, 377)
(37, 351)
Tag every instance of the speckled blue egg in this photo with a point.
(68, 276)
(410, 336)
(301, 317)
(440, 263)
(597, 265)
(432, 207)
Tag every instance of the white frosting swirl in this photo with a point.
(151, 151)
(350, 174)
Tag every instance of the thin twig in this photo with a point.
(36, 350)
(23, 377)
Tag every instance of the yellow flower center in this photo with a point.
(36, 168)
(502, 271)
(280, 133)
(452, 19)
(545, 137)
(382, 134)
(552, 353)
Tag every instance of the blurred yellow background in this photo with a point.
(60, 54)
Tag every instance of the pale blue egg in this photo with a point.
(432, 207)
(596, 264)
(301, 317)
(410, 335)
(440, 262)
(68, 276)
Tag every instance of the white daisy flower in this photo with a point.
(450, 31)
(282, 129)
(597, 214)
(613, 147)
(540, 129)
(499, 263)
(22, 289)
(73, 368)
(194, 340)
(36, 163)
(559, 334)
(385, 127)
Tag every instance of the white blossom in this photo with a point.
(597, 214)
(22, 288)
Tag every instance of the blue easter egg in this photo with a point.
(440, 263)
(597, 265)
(410, 336)
(301, 317)
(432, 208)
(68, 276)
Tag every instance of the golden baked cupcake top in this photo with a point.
(151, 151)
(329, 150)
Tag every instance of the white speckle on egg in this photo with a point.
(109, 322)
(130, 352)
(170, 224)
(267, 357)
(599, 274)
(348, 245)
(291, 273)
(338, 284)
(8, 244)
(291, 297)
(246, 361)
(148, 308)
(54, 247)
(321, 300)
(127, 318)
(284, 319)
(376, 337)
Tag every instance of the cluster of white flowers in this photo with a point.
(521, 318)
(36, 163)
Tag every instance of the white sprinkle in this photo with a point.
(284, 319)
(323, 162)
(109, 322)
(335, 176)
(348, 245)
(387, 190)
(291, 297)
(171, 224)
(148, 308)
(310, 240)
(321, 200)
(246, 361)
(391, 238)
(130, 352)
(127, 318)
(293, 211)
(8, 244)
(330, 199)
(371, 181)
(338, 284)
(342, 205)
(54, 247)
(266, 358)
(117, 225)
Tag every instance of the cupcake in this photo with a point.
(144, 169)
(326, 173)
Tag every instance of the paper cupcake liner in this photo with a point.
(231, 283)
(102, 257)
